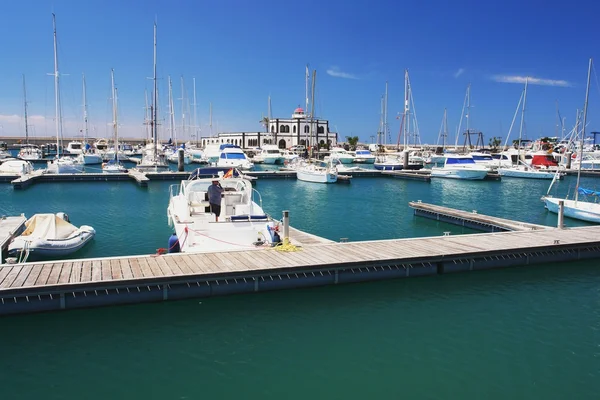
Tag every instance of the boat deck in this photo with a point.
(9, 226)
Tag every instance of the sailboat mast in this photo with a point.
(56, 96)
(171, 113)
(469, 110)
(25, 106)
(406, 110)
(182, 109)
(585, 106)
(312, 112)
(306, 77)
(445, 130)
(195, 113)
(154, 103)
(385, 113)
(147, 116)
(522, 120)
(114, 110)
(85, 112)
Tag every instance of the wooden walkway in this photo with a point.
(92, 282)
(9, 226)
(471, 219)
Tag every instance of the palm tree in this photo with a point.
(265, 122)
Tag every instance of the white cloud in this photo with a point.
(459, 72)
(337, 73)
(532, 80)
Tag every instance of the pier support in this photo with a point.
(286, 225)
(561, 214)
(180, 162)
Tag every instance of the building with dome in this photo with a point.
(284, 133)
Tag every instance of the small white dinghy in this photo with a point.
(49, 235)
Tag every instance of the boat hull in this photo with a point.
(387, 167)
(44, 248)
(527, 174)
(581, 210)
(316, 177)
(459, 173)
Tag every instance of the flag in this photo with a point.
(229, 174)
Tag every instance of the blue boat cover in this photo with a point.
(588, 192)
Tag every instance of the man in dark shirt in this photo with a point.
(214, 198)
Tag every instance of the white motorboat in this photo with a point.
(233, 156)
(339, 166)
(460, 167)
(313, 172)
(364, 157)
(338, 153)
(14, 166)
(242, 223)
(74, 148)
(174, 157)
(527, 172)
(578, 209)
(88, 158)
(388, 162)
(30, 152)
(64, 165)
(269, 154)
(49, 235)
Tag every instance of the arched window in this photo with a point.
(303, 142)
(272, 128)
(286, 129)
(203, 142)
(306, 129)
(281, 144)
(320, 130)
(294, 129)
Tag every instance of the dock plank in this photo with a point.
(154, 267)
(11, 277)
(145, 266)
(54, 274)
(115, 269)
(96, 270)
(65, 273)
(42, 279)
(20, 279)
(76, 270)
(33, 275)
(106, 272)
(136, 269)
(184, 264)
(126, 271)
(164, 266)
(86, 271)
(201, 263)
(4, 271)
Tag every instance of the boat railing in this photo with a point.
(259, 199)
(173, 190)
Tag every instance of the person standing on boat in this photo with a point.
(214, 198)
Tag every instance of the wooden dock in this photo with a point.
(9, 228)
(60, 285)
(471, 219)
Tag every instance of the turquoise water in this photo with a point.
(528, 333)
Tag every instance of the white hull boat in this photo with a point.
(64, 166)
(582, 210)
(309, 172)
(14, 166)
(242, 224)
(364, 157)
(460, 167)
(526, 172)
(50, 235)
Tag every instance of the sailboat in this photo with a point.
(522, 170)
(60, 165)
(312, 172)
(576, 208)
(28, 152)
(87, 156)
(151, 160)
(114, 166)
(172, 152)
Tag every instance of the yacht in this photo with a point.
(233, 156)
(30, 152)
(74, 148)
(460, 167)
(364, 157)
(242, 222)
(269, 154)
(338, 153)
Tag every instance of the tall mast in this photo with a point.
(182, 109)
(147, 121)
(154, 103)
(522, 120)
(312, 111)
(585, 106)
(406, 109)
(25, 105)
(469, 108)
(306, 77)
(171, 114)
(114, 110)
(85, 112)
(445, 130)
(385, 113)
(56, 92)
(195, 114)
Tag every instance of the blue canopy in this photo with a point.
(588, 192)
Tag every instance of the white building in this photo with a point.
(282, 132)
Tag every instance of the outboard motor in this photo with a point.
(63, 216)
(174, 244)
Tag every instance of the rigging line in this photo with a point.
(596, 76)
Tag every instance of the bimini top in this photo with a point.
(228, 146)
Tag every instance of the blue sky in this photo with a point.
(241, 52)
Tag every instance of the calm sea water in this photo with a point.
(529, 332)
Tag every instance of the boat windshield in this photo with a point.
(363, 153)
(482, 157)
(460, 160)
(233, 156)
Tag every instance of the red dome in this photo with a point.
(299, 110)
